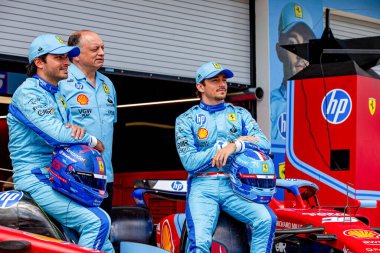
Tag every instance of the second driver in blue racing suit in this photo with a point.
(36, 122)
(207, 136)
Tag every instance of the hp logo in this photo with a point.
(336, 106)
(200, 119)
(9, 198)
(177, 186)
(281, 125)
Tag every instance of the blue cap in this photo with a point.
(293, 14)
(50, 44)
(209, 70)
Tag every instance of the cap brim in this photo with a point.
(70, 51)
(294, 24)
(228, 73)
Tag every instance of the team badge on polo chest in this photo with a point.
(232, 117)
(105, 87)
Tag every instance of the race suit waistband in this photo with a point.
(213, 174)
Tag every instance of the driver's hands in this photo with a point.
(248, 138)
(220, 158)
(99, 146)
(77, 132)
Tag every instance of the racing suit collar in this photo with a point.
(76, 72)
(212, 108)
(79, 75)
(46, 86)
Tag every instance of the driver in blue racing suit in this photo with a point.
(207, 136)
(36, 122)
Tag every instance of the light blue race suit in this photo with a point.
(93, 108)
(200, 132)
(36, 121)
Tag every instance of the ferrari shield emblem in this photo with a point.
(265, 167)
(63, 102)
(372, 105)
(281, 170)
(105, 87)
(232, 117)
(298, 11)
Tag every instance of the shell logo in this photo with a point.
(82, 99)
(202, 133)
(166, 237)
(360, 233)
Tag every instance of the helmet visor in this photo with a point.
(92, 180)
(258, 181)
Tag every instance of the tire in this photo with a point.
(132, 224)
(229, 234)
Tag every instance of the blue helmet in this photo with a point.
(78, 172)
(253, 176)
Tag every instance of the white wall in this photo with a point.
(262, 64)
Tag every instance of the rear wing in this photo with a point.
(166, 189)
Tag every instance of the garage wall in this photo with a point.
(166, 37)
(347, 25)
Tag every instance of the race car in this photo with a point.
(26, 228)
(302, 226)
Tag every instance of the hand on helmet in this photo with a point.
(77, 131)
(99, 146)
(220, 158)
(248, 138)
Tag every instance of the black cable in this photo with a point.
(309, 122)
(332, 159)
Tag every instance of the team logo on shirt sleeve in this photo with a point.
(105, 87)
(82, 99)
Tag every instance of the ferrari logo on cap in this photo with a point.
(105, 87)
(60, 40)
(232, 117)
(372, 105)
(216, 65)
(298, 11)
